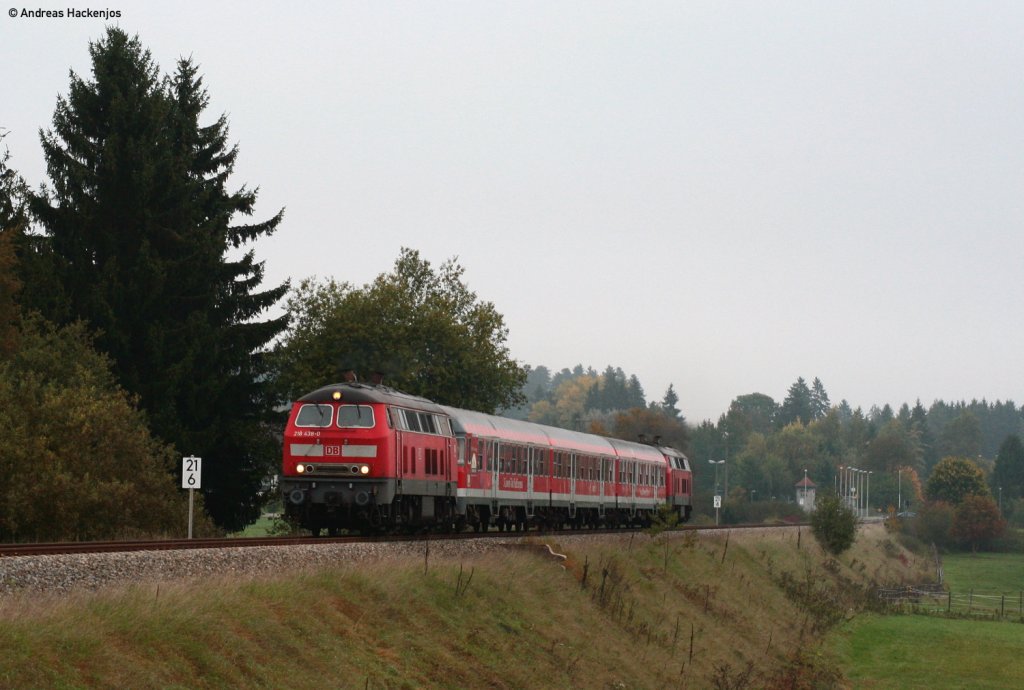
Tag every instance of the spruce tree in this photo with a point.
(1009, 469)
(139, 222)
(12, 221)
(797, 405)
(820, 404)
(668, 403)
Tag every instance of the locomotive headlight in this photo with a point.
(336, 395)
(300, 468)
(364, 469)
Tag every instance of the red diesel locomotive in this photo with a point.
(368, 457)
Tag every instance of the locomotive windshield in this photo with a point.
(314, 415)
(355, 416)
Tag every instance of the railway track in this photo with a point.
(59, 548)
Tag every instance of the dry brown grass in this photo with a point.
(672, 611)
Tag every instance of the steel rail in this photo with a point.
(62, 548)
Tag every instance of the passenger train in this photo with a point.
(370, 458)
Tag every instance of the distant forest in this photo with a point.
(767, 445)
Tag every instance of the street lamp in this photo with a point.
(716, 463)
(867, 498)
(1000, 500)
(752, 492)
(726, 435)
(899, 490)
(803, 503)
(851, 487)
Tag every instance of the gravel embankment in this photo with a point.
(64, 573)
(59, 574)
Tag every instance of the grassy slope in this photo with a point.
(521, 621)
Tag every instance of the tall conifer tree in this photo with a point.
(139, 220)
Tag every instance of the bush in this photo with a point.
(934, 523)
(76, 458)
(834, 525)
(977, 522)
(736, 512)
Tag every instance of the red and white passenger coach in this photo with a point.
(359, 456)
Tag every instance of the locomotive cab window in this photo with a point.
(355, 416)
(427, 423)
(412, 420)
(314, 415)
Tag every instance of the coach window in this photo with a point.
(314, 415)
(355, 416)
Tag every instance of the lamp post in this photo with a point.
(803, 502)
(1000, 500)
(716, 463)
(752, 492)
(726, 461)
(899, 490)
(851, 487)
(860, 504)
(867, 498)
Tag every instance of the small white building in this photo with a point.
(805, 490)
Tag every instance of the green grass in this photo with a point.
(907, 652)
(989, 572)
(260, 528)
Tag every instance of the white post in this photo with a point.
(191, 479)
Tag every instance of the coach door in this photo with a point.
(607, 477)
(494, 465)
(532, 458)
(574, 464)
(634, 471)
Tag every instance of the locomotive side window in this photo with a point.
(427, 423)
(314, 415)
(355, 417)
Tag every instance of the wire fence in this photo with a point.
(935, 599)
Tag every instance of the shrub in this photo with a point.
(978, 522)
(834, 525)
(934, 523)
(76, 458)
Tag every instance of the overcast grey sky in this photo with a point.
(721, 195)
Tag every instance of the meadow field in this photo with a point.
(968, 648)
